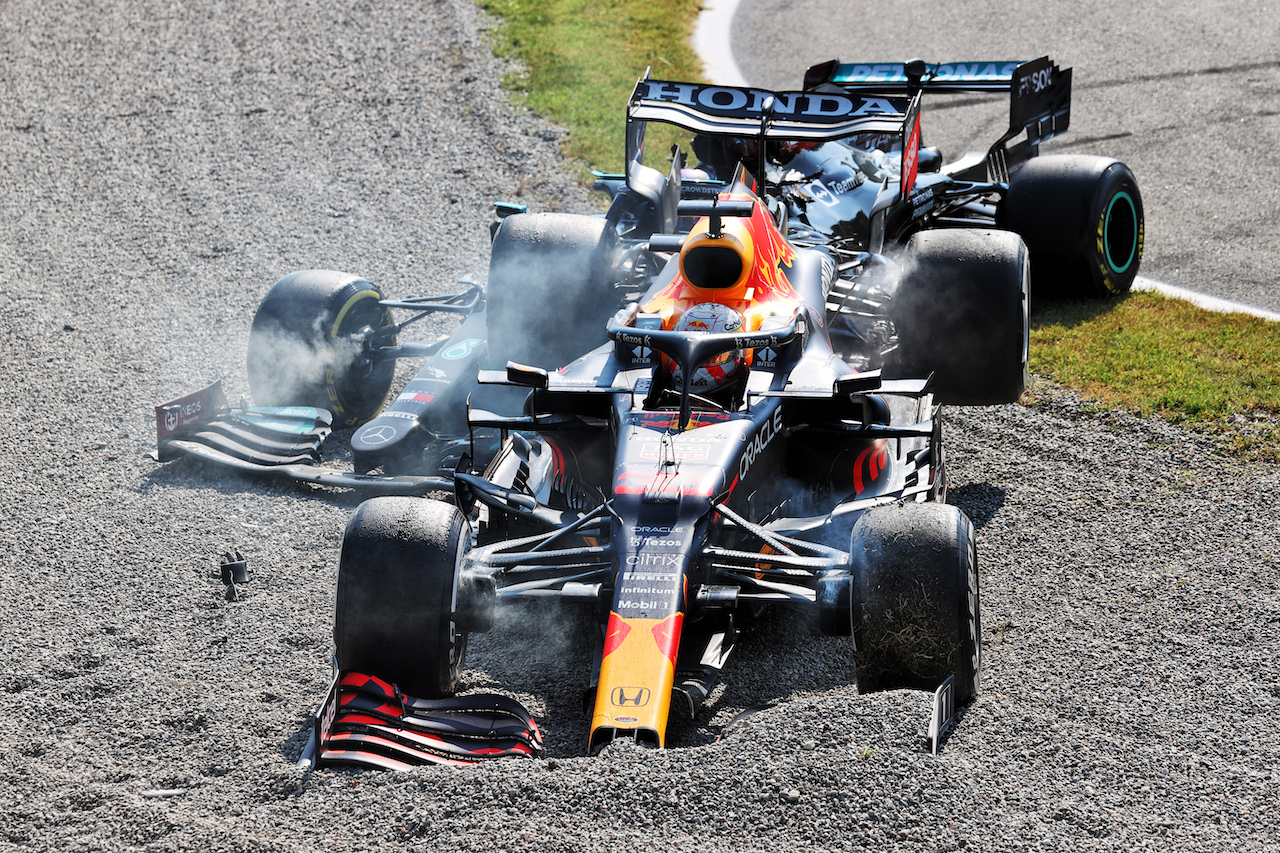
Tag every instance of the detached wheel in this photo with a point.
(916, 615)
(1082, 219)
(960, 313)
(306, 346)
(396, 614)
(550, 290)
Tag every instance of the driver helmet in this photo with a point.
(722, 370)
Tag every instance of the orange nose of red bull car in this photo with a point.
(636, 676)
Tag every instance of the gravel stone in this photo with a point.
(165, 163)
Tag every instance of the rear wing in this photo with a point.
(902, 76)
(763, 115)
(735, 111)
(1039, 93)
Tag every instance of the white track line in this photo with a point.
(1208, 303)
(712, 39)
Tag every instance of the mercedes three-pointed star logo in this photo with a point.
(380, 434)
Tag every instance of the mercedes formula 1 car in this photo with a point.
(721, 396)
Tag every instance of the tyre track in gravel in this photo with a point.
(163, 165)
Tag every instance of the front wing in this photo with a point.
(367, 722)
(282, 441)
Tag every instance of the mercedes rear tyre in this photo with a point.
(307, 346)
(960, 315)
(397, 614)
(916, 615)
(1082, 219)
(551, 288)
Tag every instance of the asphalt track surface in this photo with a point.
(1187, 93)
(163, 164)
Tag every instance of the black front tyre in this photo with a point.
(398, 587)
(307, 346)
(915, 604)
(1082, 219)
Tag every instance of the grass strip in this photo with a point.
(581, 59)
(1154, 355)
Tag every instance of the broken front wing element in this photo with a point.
(367, 722)
(279, 440)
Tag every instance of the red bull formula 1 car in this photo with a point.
(722, 396)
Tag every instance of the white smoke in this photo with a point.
(551, 288)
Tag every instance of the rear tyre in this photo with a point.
(550, 290)
(306, 346)
(396, 613)
(960, 313)
(916, 614)
(1082, 219)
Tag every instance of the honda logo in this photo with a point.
(629, 697)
